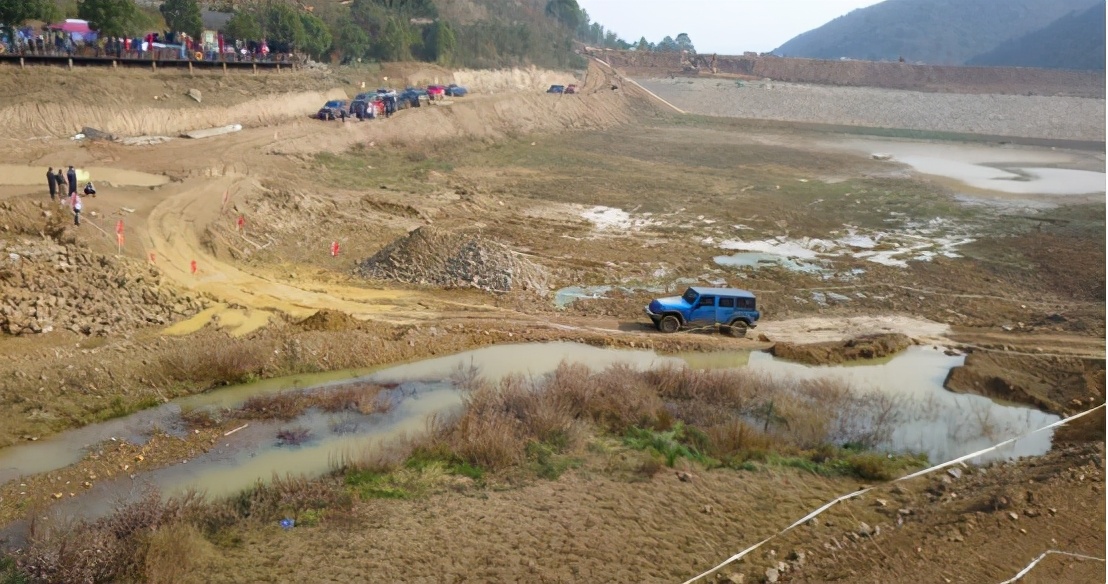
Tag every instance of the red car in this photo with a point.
(436, 92)
(570, 89)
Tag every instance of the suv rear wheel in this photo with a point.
(669, 324)
(737, 329)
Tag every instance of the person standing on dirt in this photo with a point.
(50, 182)
(71, 175)
(75, 201)
(59, 179)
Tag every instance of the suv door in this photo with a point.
(704, 311)
(726, 309)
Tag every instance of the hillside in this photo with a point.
(1075, 41)
(944, 32)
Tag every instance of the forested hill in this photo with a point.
(1075, 41)
(949, 32)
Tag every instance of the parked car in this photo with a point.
(360, 103)
(571, 89)
(331, 109)
(436, 92)
(731, 309)
(409, 98)
(454, 90)
(556, 89)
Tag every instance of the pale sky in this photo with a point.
(727, 27)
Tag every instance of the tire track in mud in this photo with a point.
(172, 236)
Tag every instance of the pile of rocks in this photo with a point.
(435, 257)
(45, 286)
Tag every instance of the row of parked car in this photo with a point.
(386, 101)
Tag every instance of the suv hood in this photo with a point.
(670, 302)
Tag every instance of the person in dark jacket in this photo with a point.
(71, 175)
(59, 179)
(50, 182)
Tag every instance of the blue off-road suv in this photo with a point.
(733, 310)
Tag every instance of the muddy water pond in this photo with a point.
(933, 420)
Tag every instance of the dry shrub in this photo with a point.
(364, 398)
(175, 555)
(733, 437)
(724, 387)
(221, 362)
(491, 441)
(289, 497)
(284, 405)
(105, 550)
(615, 399)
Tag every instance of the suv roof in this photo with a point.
(723, 291)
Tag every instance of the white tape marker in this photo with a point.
(1024, 571)
(928, 470)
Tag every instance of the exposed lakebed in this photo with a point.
(934, 421)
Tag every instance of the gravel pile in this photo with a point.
(1068, 118)
(454, 260)
(46, 286)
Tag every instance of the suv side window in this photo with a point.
(726, 302)
(706, 301)
(746, 303)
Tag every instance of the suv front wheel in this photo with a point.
(669, 324)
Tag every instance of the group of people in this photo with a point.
(63, 188)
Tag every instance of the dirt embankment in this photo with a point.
(1063, 385)
(826, 353)
(936, 78)
(48, 102)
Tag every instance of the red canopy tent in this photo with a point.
(72, 25)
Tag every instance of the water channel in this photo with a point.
(934, 421)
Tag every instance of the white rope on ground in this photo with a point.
(858, 493)
(1027, 569)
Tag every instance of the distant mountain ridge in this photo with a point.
(1075, 41)
(943, 32)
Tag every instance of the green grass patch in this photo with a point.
(673, 444)
(547, 461)
(374, 485)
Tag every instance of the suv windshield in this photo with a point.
(689, 296)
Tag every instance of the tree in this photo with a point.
(111, 18)
(317, 37)
(395, 43)
(183, 16)
(684, 43)
(566, 12)
(668, 45)
(440, 43)
(243, 26)
(350, 41)
(15, 12)
(643, 45)
(282, 28)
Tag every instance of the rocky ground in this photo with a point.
(1063, 118)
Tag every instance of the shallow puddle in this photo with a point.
(1003, 169)
(757, 259)
(934, 421)
(36, 175)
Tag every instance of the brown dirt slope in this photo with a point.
(1057, 384)
(865, 347)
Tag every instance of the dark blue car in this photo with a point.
(731, 309)
(453, 90)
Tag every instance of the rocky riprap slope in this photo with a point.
(47, 286)
(434, 257)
